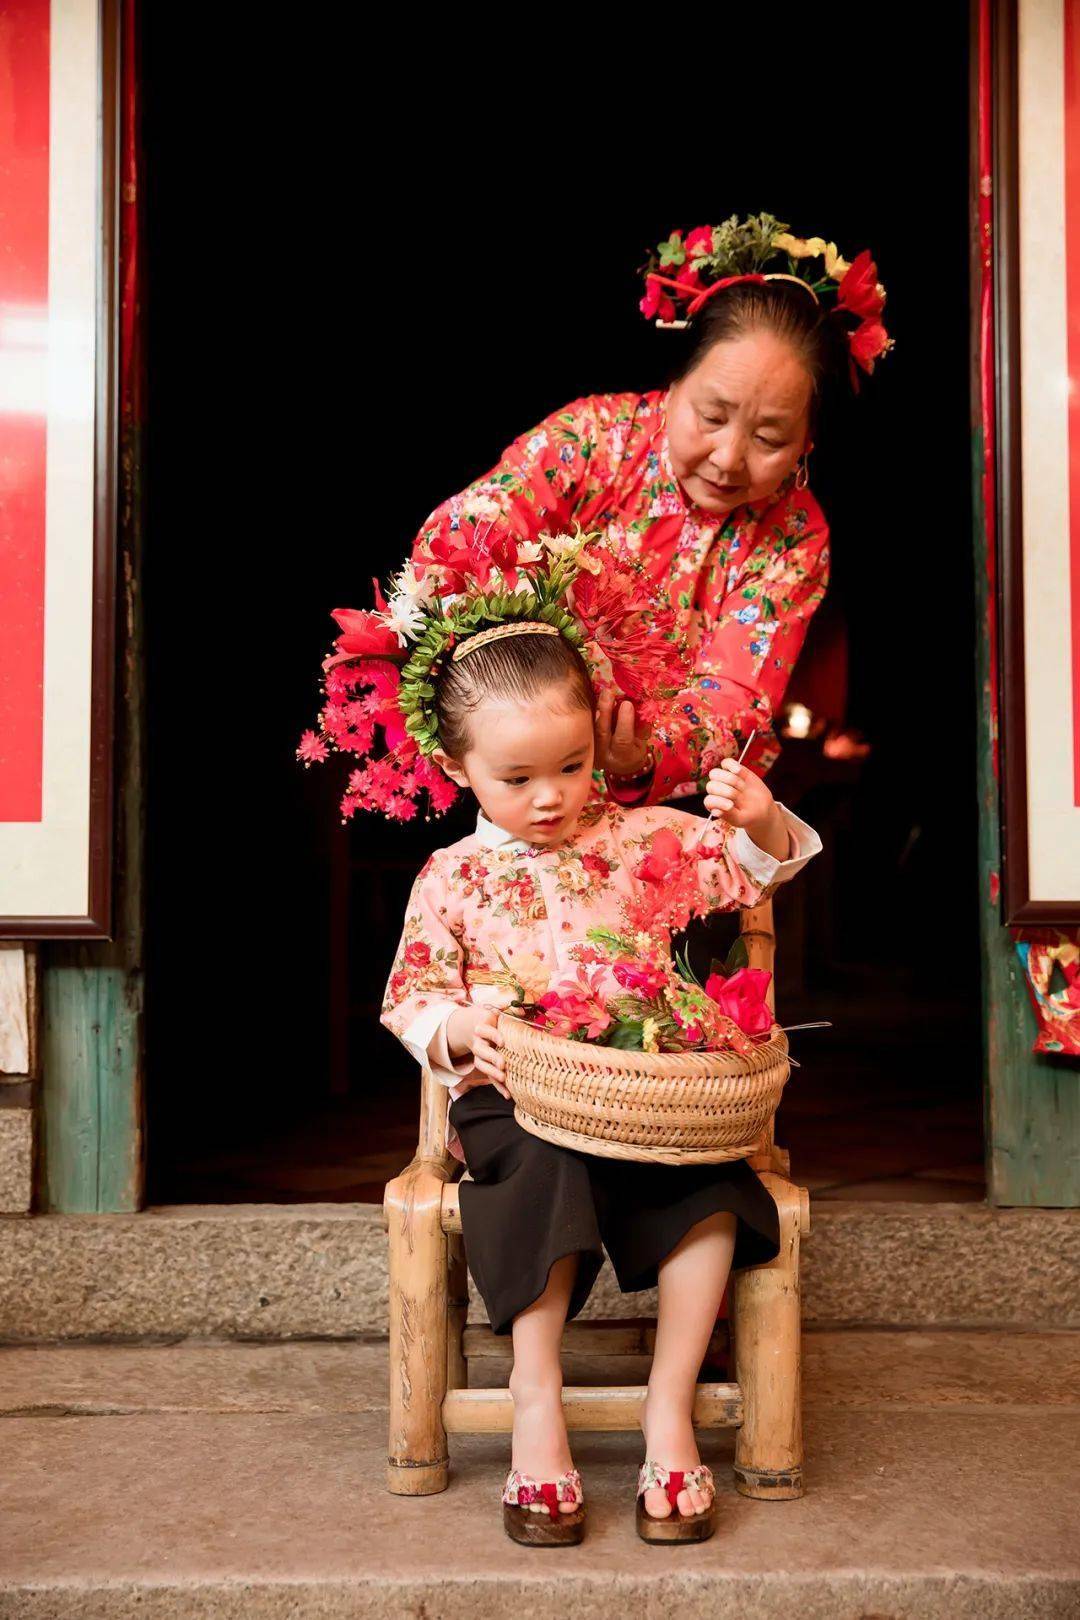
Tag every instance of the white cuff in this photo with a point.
(425, 1038)
(765, 869)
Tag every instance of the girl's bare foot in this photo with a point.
(669, 1441)
(541, 1448)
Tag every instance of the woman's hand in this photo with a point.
(622, 746)
(476, 1029)
(743, 800)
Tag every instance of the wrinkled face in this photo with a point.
(529, 764)
(739, 422)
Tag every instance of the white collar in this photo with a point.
(493, 836)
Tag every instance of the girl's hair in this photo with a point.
(810, 329)
(515, 668)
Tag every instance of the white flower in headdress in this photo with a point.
(408, 583)
(835, 266)
(812, 248)
(561, 545)
(405, 616)
(529, 552)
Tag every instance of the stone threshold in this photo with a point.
(245, 1482)
(289, 1271)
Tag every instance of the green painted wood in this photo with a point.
(91, 1046)
(1032, 1104)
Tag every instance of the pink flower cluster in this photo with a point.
(360, 697)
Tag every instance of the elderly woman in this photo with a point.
(706, 480)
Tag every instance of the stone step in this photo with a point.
(283, 1271)
(207, 1482)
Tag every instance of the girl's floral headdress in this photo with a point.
(380, 682)
(684, 272)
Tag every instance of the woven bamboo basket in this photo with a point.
(661, 1108)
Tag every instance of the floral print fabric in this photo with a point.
(745, 585)
(487, 917)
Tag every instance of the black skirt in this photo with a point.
(530, 1202)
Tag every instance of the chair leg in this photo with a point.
(769, 1445)
(418, 1463)
(457, 1367)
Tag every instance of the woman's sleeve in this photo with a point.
(534, 486)
(427, 980)
(752, 637)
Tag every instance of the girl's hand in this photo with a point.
(622, 746)
(743, 800)
(476, 1030)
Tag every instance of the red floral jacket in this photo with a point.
(746, 584)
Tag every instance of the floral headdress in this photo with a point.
(684, 272)
(380, 683)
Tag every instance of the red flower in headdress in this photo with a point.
(618, 611)
(699, 237)
(868, 343)
(656, 302)
(860, 291)
(364, 635)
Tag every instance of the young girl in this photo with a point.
(509, 907)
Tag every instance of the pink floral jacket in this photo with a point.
(492, 912)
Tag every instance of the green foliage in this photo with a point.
(683, 968)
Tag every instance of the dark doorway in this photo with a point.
(358, 293)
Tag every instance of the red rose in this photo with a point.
(742, 998)
(595, 864)
(859, 289)
(417, 954)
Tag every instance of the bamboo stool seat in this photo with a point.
(431, 1339)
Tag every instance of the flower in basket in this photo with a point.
(741, 995)
(575, 1009)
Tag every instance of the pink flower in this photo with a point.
(741, 997)
(576, 1007)
(639, 976)
(311, 748)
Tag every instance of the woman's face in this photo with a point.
(739, 422)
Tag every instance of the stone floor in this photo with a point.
(213, 1480)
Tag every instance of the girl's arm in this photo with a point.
(743, 663)
(688, 864)
(426, 987)
(534, 486)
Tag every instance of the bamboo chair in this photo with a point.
(431, 1340)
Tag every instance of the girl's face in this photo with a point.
(739, 422)
(530, 765)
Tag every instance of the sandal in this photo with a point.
(531, 1510)
(677, 1526)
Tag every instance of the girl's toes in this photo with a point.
(657, 1505)
(568, 1507)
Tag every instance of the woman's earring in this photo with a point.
(802, 477)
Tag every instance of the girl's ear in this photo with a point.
(453, 768)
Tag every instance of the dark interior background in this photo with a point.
(365, 277)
